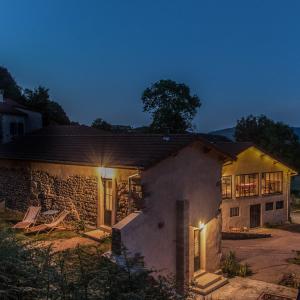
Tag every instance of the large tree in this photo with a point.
(275, 137)
(39, 100)
(101, 124)
(9, 86)
(171, 105)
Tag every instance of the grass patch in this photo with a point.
(289, 227)
(8, 218)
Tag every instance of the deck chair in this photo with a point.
(29, 219)
(50, 226)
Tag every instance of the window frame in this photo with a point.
(269, 204)
(232, 209)
(226, 197)
(244, 195)
(279, 201)
(263, 185)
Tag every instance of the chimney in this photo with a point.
(1, 95)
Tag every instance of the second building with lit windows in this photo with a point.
(255, 188)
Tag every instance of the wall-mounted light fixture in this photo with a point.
(106, 172)
(201, 225)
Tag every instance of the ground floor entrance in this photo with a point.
(255, 215)
(197, 250)
(108, 201)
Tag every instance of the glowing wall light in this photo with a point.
(201, 225)
(106, 172)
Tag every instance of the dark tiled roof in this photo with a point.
(10, 107)
(68, 130)
(87, 146)
(10, 110)
(234, 148)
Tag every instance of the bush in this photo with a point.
(290, 280)
(231, 267)
(19, 268)
(81, 273)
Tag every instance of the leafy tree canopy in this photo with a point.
(39, 100)
(171, 105)
(275, 137)
(9, 85)
(101, 124)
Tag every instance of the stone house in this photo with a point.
(159, 195)
(255, 188)
(16, 119)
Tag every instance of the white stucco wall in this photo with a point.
(33, 120)
(6, 120)
(253, 161)
(191, 175)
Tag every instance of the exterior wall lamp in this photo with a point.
(201, 225)
(106, 172)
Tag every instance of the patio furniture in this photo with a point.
(29, 219)
(50, 213)
(55, 224)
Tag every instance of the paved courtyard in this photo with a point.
(247, 289)
(268, 257)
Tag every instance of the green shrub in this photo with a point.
(27, 272)
(231, 267)
(290, 280)
(244, 270)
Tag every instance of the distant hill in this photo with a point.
(229, 132)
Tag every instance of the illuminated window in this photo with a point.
(135, 190)
(279, 204)
(246, 185)
(271, 183)
(226, 187)
(234, 211)
(269, 206)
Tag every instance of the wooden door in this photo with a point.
(197, 244)
(108, 201)
(255, 213)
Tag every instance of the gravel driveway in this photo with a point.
(268, 257)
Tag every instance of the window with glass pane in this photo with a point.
(271, 183)
(135, 189)
(246, 185)
(269, 206)
(226, 187)
(279, 204)
(234, 212)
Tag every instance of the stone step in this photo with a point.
(97, 235)
(106, 228)
(216, 285)
(199, 274)
(206, 280)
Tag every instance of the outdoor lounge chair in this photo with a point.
(29, 219)
(55, 224)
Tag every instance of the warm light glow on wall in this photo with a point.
(201, 225)
(106, 172)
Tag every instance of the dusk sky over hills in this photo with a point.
(97, 57)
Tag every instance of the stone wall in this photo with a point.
(77, 193)
(128, 200)
(123, 200)
(15, 187)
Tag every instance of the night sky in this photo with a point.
(97, 57)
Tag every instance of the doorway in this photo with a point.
(255, 213)
(107, 201)
(197, 250)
